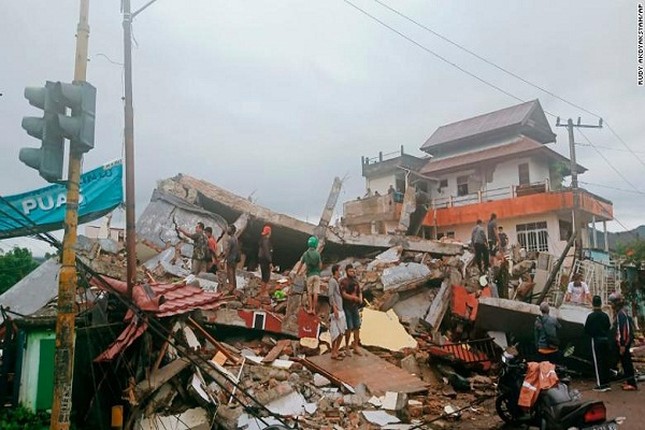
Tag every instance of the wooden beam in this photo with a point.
(158, 378)
(213, 341)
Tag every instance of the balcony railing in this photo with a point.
(491, 195)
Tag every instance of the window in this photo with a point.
(566, 228)
(523, 170)
(443, 183)
(533, 236)
(449, 235)
(462, 185)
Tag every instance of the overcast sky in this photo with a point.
(275, 98)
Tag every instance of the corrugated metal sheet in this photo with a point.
(506, 117)
(33, 291)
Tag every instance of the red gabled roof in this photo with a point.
(522, 146)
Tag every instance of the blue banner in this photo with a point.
(101, 190)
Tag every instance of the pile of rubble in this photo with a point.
(246, 360)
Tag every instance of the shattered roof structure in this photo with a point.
(183, 194)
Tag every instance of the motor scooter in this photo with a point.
(557, 408)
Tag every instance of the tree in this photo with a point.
(633, 252)
(15, 265)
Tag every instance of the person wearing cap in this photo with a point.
(265, 258)
(624, 337)
(312, 261)
(547, 342)
(597, 327)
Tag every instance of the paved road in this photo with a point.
(619, 403)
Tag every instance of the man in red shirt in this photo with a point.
(212, 249)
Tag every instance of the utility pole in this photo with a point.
(575, 213)
(65, 320)
(130, 227)
(130, 230)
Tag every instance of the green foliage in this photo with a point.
(557, 172)
(15, 265)
(633, 252)
(21, 418)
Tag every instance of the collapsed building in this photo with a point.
(185, 352)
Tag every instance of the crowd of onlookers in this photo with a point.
(610, 341)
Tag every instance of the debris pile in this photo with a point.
(250, 358)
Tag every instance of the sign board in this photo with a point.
(101, 191)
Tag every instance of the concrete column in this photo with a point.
(593, 232)
(604, 228)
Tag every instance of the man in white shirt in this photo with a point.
(577, 291)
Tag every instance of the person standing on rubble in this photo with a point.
(577, 291)
(547, 342)
(200, 260)
(337, 321)
(623, 331)
(597, 328)
(312, 261)
(503, 240)
(213, 252)
(478, 239)
(352, 295)
(493, 237)
(265, 257)
(232, 254)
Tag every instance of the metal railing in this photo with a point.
(473, 351)
(491, 194)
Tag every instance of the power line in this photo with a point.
(609, 147)
(620, 139)
(431, 52)
(485, 60)
(608, 163)
(482, 80)
(613, 188)
(508, 72)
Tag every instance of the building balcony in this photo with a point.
(516, 201)
(373, 214)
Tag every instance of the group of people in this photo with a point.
(487, 243)
(607, 340)
(206, 252)
(345, 300)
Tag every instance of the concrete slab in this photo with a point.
(377, 374)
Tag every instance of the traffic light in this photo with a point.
(80, 97)
(52, 129)
(48, 159)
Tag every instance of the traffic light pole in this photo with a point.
(65, 320)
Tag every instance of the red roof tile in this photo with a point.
(169, 299)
